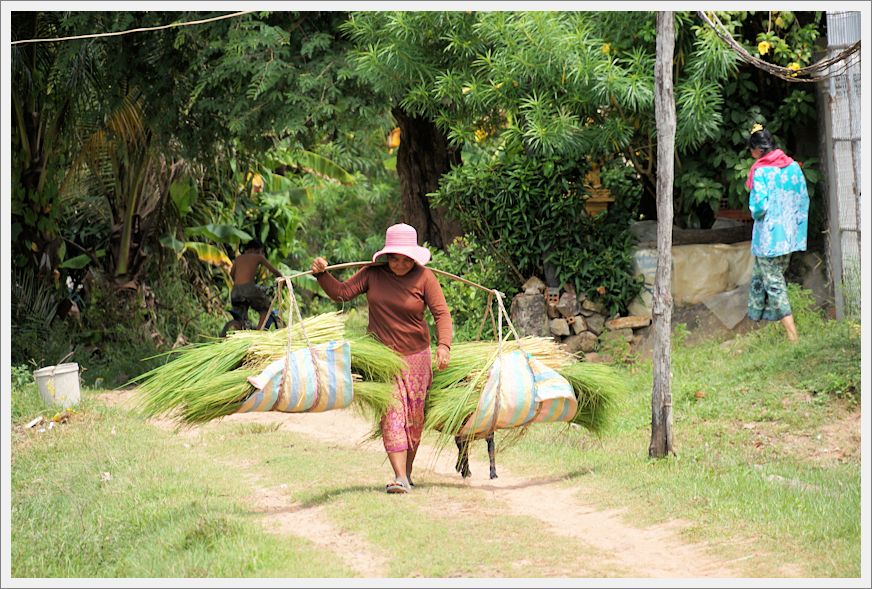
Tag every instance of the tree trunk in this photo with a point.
(133, 172)
(664, 113)
(423, 157)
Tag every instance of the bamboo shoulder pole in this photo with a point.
(499, 295)
(353, 264)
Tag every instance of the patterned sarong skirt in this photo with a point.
(404, 421)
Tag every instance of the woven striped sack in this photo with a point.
(554, 394)
(318, 378)
(520, 390)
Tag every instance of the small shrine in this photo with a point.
(600, 198)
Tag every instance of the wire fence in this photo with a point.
(841, 105)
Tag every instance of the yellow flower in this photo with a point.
(756, 127)
(793, 66)
(763, 47)
(606, 48)
(256, 179)
(480, 135)
(394, 138)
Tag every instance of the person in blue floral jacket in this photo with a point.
(779, 205)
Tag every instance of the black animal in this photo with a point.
(462, 465)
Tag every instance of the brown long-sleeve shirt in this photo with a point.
(396, 305)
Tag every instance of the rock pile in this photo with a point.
(577, 322)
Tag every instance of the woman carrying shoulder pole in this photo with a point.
(397, 294)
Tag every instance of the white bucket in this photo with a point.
(58, 385)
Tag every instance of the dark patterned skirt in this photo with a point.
(767, 299)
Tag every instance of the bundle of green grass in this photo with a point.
(455, 391)
(207, 381)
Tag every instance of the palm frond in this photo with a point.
(34, 304)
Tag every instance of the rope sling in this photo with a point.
(492, 293)
(292, 306)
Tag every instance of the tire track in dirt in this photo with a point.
(278, 512)
(633, 552)
(283, 516)
(654, 551)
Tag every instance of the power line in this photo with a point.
(95, 35)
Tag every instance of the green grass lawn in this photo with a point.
(106, 495)
(756, 421)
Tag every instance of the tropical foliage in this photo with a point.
(573, 83)
(120, 170)
(531, 211)
(467, 257)
(163, 151)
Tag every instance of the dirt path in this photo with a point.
(655, 551)
(283, 516)
(278, 512)
(632, 552)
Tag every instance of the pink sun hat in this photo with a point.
(403, 239)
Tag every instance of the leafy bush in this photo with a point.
(347, 223)
(623, 183)
(528, 210)
(39, 337)
(185, 307)
(466, 258)
(715, 171)
(119, 331)
(697, 189)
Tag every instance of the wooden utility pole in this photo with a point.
(664, 114)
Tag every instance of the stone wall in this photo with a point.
(710, 293)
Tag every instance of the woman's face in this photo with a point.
(400, 264)
(756, 152)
